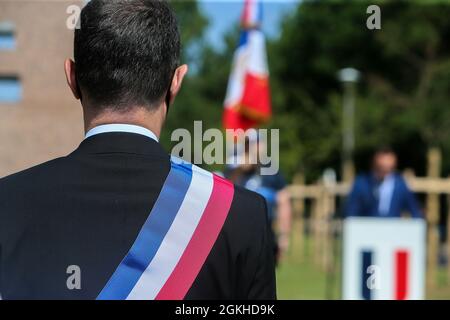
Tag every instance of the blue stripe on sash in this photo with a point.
(151, 235)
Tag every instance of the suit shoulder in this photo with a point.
(19, 191)
(249, 208)
(361, 178)
(31, 174)
(401, 181)
(251, 198)
(362, 182)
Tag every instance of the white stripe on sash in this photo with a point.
(177, 238)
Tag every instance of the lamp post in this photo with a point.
(349, 77)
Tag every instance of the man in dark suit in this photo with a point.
(118, 218)
(383, 192)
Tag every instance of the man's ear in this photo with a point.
(69, 68)
(177, 79)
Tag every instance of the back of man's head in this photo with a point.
(126, 52)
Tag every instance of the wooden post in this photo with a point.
(409, 175)
(319, 207)
(316, 226)
(348, 171)
(432, 216)
(448, 239)
(298, 224)
(324, 228)
(327, 245)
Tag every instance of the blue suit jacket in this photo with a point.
(362, 201)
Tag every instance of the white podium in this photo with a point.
(383, 258)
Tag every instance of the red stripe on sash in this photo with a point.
(401, 282)
(201, 243)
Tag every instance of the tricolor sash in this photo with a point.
(176, 238)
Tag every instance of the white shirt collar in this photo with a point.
(119, 127)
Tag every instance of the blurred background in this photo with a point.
(339, 91)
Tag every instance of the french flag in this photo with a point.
(176, 239)
(401, 274)
(247, 102)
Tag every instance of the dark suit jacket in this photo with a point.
(87, 208)
(363, 202)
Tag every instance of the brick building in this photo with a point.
(39, 118)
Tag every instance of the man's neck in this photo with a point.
(151, 120)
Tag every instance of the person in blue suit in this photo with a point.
(382, 192)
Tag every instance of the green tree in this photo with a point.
(403, 94)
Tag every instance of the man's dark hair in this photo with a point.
(126, 52)
(384, 150)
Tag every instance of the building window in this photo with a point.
(7, 36)
(10, 89)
